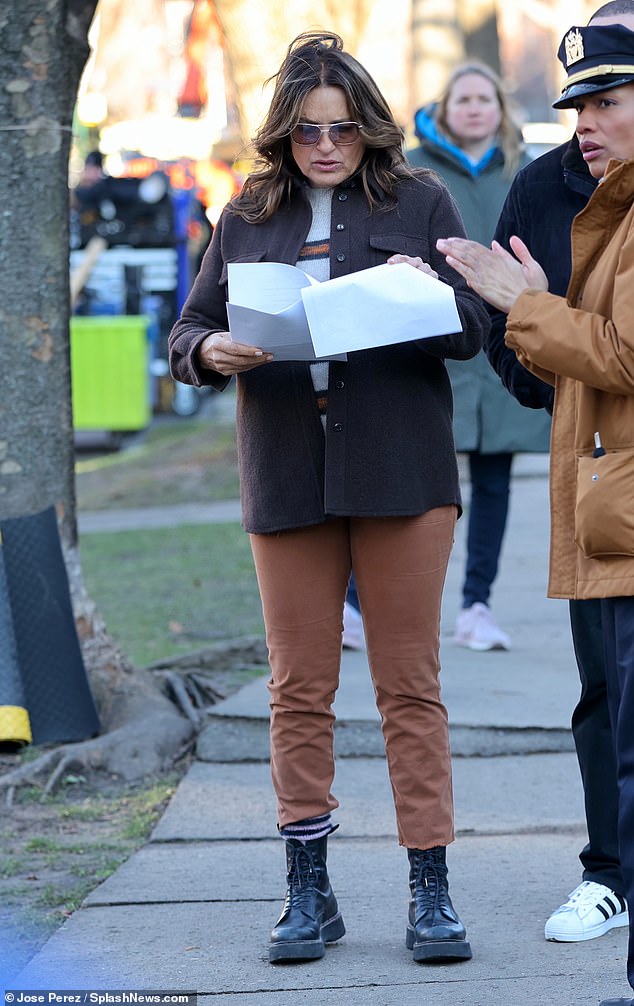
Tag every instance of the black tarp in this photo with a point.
(35, 603)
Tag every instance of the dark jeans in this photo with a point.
(490, 476)
(592, 734)
(351, 594)
(617, 615)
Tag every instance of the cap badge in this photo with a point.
(574, 46)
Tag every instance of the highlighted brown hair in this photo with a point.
(318, 59)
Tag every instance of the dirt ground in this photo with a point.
(55, 850)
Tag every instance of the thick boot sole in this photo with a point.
(307, 950)
(438, 950)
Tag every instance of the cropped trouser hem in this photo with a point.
(400, 565)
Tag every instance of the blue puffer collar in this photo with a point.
(427, 132)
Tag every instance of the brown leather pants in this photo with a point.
(400, 565)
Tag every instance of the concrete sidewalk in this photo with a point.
(193, 909)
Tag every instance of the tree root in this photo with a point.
(219, 657)
(181, 695)
(189, 681)
(193, 693)
(147, 723)
(143, 747)
(150, 716)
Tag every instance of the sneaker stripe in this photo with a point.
(604, 912)
(613, 905)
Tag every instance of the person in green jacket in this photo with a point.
(471, 140)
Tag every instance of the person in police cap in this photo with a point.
(543, 200)
(583, 344)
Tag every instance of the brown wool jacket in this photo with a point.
(388, 448)
(584, 345)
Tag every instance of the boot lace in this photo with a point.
(429, 883)
(302, 880)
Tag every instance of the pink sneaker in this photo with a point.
(477, 630)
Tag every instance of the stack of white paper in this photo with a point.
(282, 310)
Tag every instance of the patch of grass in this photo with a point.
(58, 871)
(144, 809)
(37, 926)
(10, 866)
(13, 894)
(138, 826)
(42, 844)
(32, 794)
(169, 591)
(181, 462)
(99, 871)
(86, 811)
(29, 753)
(51, 897)
(70, 904)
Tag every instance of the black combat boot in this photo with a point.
(434, 930)
(310, 917)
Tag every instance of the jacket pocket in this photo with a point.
(604, 512)
(400, 244)
(248, 257)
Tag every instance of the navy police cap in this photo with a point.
(595, 58)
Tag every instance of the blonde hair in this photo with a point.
(509, 133)
(318, 59)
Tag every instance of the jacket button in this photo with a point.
(341, 227)
(341, 257)
(342, 197)
(340, 385)
(338, 427)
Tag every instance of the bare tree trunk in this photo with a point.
(255, 54)
(41, 60)
(42, 54)
(445, 33)
(438, 44)
(531, 33)
(479, 21)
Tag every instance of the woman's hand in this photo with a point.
(494, 273)
(416, 262)
(219, 352)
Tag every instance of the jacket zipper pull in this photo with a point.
(599, 450)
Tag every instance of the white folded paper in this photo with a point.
(282, 310)
(266, 309)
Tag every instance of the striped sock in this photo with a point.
(309, 829)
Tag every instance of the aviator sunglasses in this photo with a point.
(308, 133)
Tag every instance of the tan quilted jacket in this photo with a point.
(584, 345)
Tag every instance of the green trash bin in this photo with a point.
(110, 372)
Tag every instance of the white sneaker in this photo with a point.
(477, 630)
(590, 911)
(353, 635)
